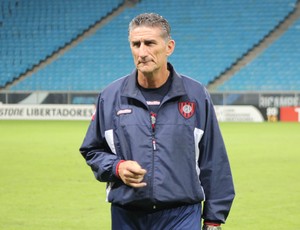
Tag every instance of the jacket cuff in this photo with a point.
(117, 168)
(211, 223)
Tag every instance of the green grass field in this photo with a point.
(45, 183)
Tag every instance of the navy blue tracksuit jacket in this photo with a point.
(185, 156)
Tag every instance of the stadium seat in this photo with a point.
(32, 30)
(209, 36)
(276, 69)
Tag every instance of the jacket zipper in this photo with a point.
(153, 124)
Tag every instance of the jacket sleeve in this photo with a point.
(215, 174)
(95, 149)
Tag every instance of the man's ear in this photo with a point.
(170, 47)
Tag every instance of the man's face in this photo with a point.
(149, 49)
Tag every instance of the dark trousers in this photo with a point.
(186, 217)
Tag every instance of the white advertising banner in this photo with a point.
(85, 112)
(238, 114)
(46, 112)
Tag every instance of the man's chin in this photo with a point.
(145, 69)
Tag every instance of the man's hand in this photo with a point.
(132, 174)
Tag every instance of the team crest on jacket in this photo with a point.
(187, 109)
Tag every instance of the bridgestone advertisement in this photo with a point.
(85, 112)
(46, 112)
(238, 113)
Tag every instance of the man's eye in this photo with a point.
(136, 44)
(149, 43)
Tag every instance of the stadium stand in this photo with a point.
(276, 69)
(32, 30)
(209, 36)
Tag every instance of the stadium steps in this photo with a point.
(35, 98)
(276, 69)
(257, 49)
(56, 54)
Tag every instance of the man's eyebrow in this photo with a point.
(135, 41)
(144, 41)
(149, 41)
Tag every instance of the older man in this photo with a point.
(156, 141)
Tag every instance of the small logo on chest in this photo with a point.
(187, 109)
(124, 111)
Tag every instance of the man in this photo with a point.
(155, 140)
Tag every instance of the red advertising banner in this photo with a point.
(290, 114)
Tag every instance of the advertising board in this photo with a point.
(46, 112)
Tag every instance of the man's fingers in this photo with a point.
(132, 174)
(135, 168)
(134, 179)
(138, 185)
(131, 169)
(136, 173)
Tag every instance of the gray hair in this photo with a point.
(151, 20)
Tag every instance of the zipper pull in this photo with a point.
(153, 123)
(154, 143)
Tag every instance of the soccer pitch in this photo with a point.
(45, 183)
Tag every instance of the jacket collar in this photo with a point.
(131, 89)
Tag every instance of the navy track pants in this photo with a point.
(186, 217)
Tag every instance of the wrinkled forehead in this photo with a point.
(146, 33)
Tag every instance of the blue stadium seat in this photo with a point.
(209, 36)
(31, 30)
(276, 69)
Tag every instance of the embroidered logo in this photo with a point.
(187, 109)
(124, 111)
(153, 102)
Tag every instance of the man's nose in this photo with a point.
(142, 51)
